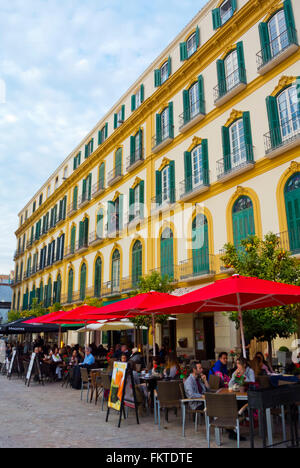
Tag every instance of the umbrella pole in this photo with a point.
(86, 335)
(242, 333)
(153, 335)
(59, 336)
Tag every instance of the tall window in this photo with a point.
(237, 143)
(292, 203)
(99, 227)
(165, 184)
(243, 220)
(115, 280)
(289, 112)
(191, 45)
(197, 166)
(163, 73)
(226, 11)
(278, 34)
(231, 70)
(167, 253)
(98, 274)
(200, 245)
(164, 124)
(165, 176)
(70, 286)
(137, 253)
(194, 100)
(83, 282)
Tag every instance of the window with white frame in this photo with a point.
(137, 201)
(231, 70)
(237, 143)
(278, 34)
(164, 72)
(197, 166)
(138, 99)
(191, 45)
(194, 100)
(289, 113)
(226, 11)
(165, 177)
(165, 124)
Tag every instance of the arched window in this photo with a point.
(232, 70)
(292, 204)
(73, 239)
(28, 271)
(115, 271)
(289, 112)
(98, 275)
(191, 45)
(70, 286)
(118, 162)
(278, 34)
(242, 219)
(167, 253)
(200, 245)
(48, 295)
(82, 282)
(57, 290)
(137, 266)
(99, 227)
(41, 292)
(237, 143)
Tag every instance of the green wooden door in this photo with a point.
(243, 220)
(292, 203)
(200, 245)
(98, 269)
(137, 253)
(167, 253)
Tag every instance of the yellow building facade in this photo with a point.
(202, 149)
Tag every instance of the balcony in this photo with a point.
(277, 51)
(134, 217)
(95, 239)
(192, 116)
(135, 159)
(289, 241)
(230, 87)
(241, 161)
(84, 200)
(170, 271)
(72, 208)
(193, 186)
(163, 202)
(115, 175)
(162, 138)
(282, 139)
(74, 297)
(201, 266)
(110, 289)
(98, 188)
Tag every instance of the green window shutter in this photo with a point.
(172, 182)
(169, 67)
(171, 120)
(92, 145)
(79, 158)
(140, 143)
(86, 231)
(233, 5)
(290, 21)
(99, 137)
(64, 207)
(115, 121)
(74, 164)
(81, 228)
(86, 151)
(241, 62)
(221, 78)
(186, 107)
(188, 172)
(142, 198)
(201, 94)
(55, 292)
(132, 149)
(248, 135)
(183, 52)
(265, 42)
(157, 78)
(90, 186)
(197, 37)
(106, 130)
(131, 204)
(133, 102)
(70, 286)
(101, 175)
(158, 187)
(142, 93)
(274, 123)
(118, 162)
(205, 162)
(75, 198)
(83, 189)
(121, 212)
(123, 112)
(158, 129)
(110, 211)
(82, 282)
(98, 270)
(216, 18)
(226, 149)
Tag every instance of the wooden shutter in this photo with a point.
(81, 228)
(188, 172)
(183, 52)
(205, 162)
(101, 176)
(274, 122)
(75, 198)
(201, 94)
(169, 67)
(171, 120)
(142, 93)
(142, 198)
(172, 182)
(186, 106)
(221, 78)
(226, 149)
(290, 21)
(248, 135)
(123, 112)
(115, 121)
(241, 62)
(158, 188)
(265, 42)
(121, 213)
(158, 129)
(197, 33)
(99, 137)
(70, 286)
(73, 239)
(132, 149)
(133, 102)
(216, 18)
(131, 204)
(89, 180)
(157, 78)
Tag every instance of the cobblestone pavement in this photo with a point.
(54, 417)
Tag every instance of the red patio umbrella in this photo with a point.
(236, 293)
(136, 306)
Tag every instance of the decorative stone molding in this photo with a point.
(165, 163)
(196, 142)
(235, 115)
(283, 83)
(228, 50)
(273, 10)
(136, 182)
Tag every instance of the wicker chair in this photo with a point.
(95, 385)
(222, 413)
(190, 411)
(214, 383)
(168, 397)
(85, 382)
(105, 385)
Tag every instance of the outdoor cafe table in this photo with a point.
(240, 396)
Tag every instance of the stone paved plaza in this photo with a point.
(54, 417)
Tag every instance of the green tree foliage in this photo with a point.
(265, 259)
(37, 310)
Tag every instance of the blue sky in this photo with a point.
(64, 64)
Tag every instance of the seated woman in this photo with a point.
(57, 360)
(172, 367)
(265, 365)
(243, 375)
(258, 367)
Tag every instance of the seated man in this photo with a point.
(196, 385)
(89, 359)
(220, 369)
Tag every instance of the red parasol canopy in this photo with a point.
(236, 293)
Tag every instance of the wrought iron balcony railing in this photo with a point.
(288, 132)
(276, 47)
(231, 82)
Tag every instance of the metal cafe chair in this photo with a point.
(222, 413)
(85, 382)
(105, 384)
(168, 397)
(195, 412)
